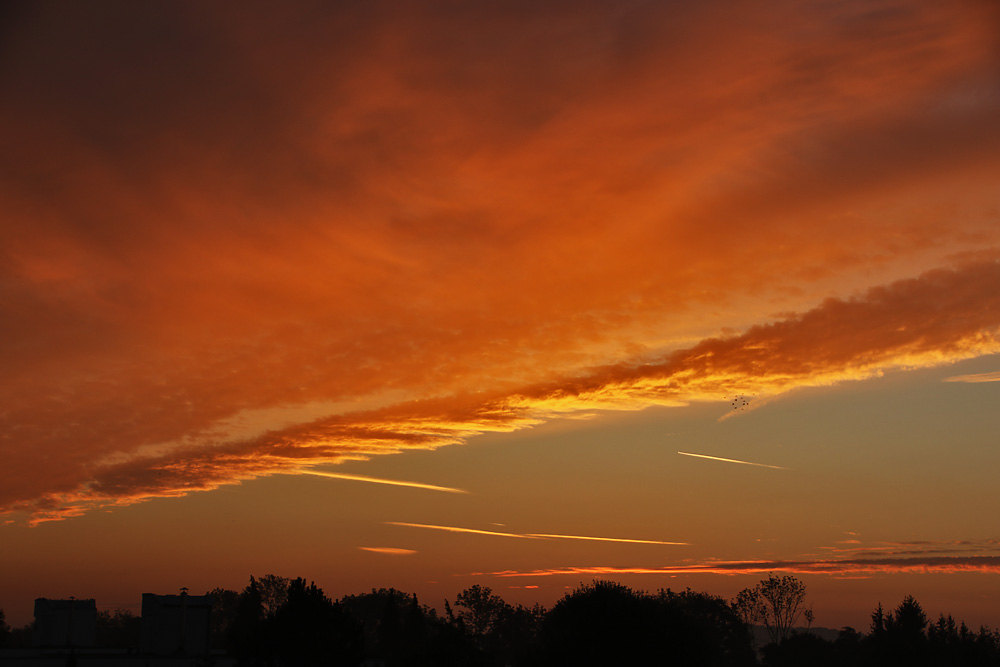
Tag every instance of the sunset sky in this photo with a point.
(521, 294)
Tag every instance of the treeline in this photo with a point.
(277, 621)
(280, 621)
(903, 637)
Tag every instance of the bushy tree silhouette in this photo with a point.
(244, 636)
(801, 650)
(775, 602)
(273, 592)
(398, 630)
(602, 623)
(704, 630)
(225, 605)
(310, 629)
(606, 623)
(503, 633)
(4, 631)
(118, 629)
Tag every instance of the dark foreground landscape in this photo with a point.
(281, 621)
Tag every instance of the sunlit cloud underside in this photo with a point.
(887, 329)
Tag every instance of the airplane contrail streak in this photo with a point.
(606, 539)
(453, 529)
(719, 458)
(379, 480)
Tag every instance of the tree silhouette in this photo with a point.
(505, 633)
(4, 630)
(801, 650)
(310, 629)
(898, 637)
(244, 634)
(703, 630)
(606, 623)
(603, 623)
(120, 629)
(225, 606)
(397, 629)
(908, 622)
(775, 603)
(484, 611)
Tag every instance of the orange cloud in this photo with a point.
(975, 378)
(389, 551)
(939, 565)
(923, 547)
(256, 254)
(939, 317)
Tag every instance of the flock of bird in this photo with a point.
(739, 401)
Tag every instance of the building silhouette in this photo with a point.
(175, 624)
(65, 623)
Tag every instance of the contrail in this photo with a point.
(719, 458)
(976, 377)
(530, 536)
(606, 539)
(379, 480)
(453, 529)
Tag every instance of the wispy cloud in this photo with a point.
(380, 480)
(937, 565)
(719, 458)
(975, 377)
(389, 551)
(917, 548)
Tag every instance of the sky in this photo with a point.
(520, 294)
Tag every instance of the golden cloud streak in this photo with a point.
(381, 480)
(389, 551)
(719, 458)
